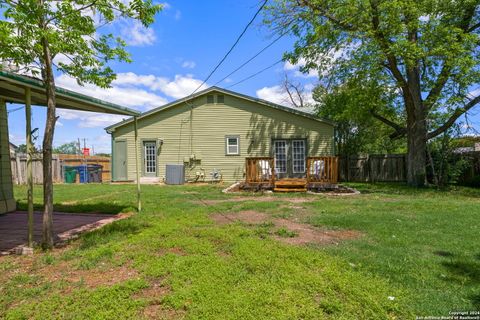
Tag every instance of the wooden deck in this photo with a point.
(260, 174)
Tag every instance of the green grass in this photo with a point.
(419, 246)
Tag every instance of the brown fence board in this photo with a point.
(373, 168)
(19, 167)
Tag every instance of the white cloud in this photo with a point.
(189, 64)
(135, 34)
(120, 92)
(16, 139)
(90, 119)
(278, 95)
(295, 69)
(181, 86)
(130, 90)
(165, 5)
(178, 15)
(103, 144)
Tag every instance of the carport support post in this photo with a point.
(137, 165)
(28, 117)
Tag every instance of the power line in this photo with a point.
(255, 74)
(233, 46)
(249, 60)
(16, 109)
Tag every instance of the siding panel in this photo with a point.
(199, 129)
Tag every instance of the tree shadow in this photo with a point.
(111, 232)
(443, 253)
(464, 271)
(74, 207)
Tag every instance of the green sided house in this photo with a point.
(218, 134)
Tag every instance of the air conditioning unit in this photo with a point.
(175, 174)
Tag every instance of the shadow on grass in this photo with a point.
(443, 253)
(465, 272)
(112, 232)
(404, 189)
(476, 301)
(97, 207)
(468, 271)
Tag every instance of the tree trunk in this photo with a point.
(416, 144)
(49, 81)
(416, 125)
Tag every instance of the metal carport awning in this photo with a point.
(12, 89)
(21, 89)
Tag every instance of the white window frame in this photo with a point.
(150, 157)
(293, 155)
(277, 161)
(228, 145)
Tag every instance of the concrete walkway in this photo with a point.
(13, 226)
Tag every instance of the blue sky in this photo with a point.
(170, 59)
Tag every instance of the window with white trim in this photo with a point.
(232, 146)
(298, 155)
(210, 98)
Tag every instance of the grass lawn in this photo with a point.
(419, 254)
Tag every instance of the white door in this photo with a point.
(150, 158)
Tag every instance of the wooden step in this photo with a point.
(290, 189)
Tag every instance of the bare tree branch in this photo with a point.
(456, 114)
(399, 130)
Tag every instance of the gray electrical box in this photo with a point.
(175, 174)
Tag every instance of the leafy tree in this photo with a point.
(101, 154)
(34, 32)
(428, 50)
(22, 148)
(350, 106)
(67, 148)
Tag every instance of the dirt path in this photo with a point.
(288, 231)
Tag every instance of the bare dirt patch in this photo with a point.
(175, 250)
(154, 294)
(309, 234)
(90, 278)
(157, 311)
(304, 233)
(260, 199)
(248, 217)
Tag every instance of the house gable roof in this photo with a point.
(262, 102)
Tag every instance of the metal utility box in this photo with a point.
(175, 174)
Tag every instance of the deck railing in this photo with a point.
(322, 170)
(260, 170)
(319, 170)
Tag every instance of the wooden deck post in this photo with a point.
(137, 165)
(28, 128)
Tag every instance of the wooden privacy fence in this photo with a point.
(19, 166)
(19, 169)
(78, 160)
(322, 170)
(373, 168)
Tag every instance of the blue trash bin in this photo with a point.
(82, 173)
